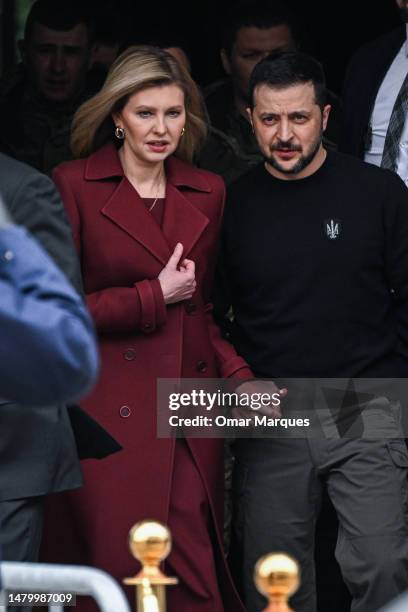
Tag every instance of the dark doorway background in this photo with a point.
(331, 31)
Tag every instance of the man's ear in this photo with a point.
(92, 54)
(325, 115)
(249, 113)
(226, 64)
(21, 44)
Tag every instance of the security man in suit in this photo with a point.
(374, 96)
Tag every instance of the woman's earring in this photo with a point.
(119, 133)
(183, 131)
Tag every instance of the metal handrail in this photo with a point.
(76, 579)
(399, 604)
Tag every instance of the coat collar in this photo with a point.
(183, 221)
(105, 163)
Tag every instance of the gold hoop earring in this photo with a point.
(183, 131)
(119, 133)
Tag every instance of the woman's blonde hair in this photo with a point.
(134, 70)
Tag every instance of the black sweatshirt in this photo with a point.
(317, 270)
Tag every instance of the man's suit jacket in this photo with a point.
(364, 76)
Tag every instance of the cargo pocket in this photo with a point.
(399, 455)
(382, 419)
(399, 452)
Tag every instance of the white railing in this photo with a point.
(78, 580)
(400, 604)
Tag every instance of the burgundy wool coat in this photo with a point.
(122, 251)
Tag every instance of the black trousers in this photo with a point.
(277, 490)
(21, 523)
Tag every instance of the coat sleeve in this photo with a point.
(230, 364)
(45, 329)
(116, 309)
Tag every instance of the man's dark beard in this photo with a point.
(302, 162)
(403, 14)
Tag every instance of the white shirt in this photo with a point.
(380, 118)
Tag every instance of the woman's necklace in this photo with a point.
(157, 192)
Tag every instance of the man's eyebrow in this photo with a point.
(299, 112)
(290, 114)
(251, 50)
(56, 44)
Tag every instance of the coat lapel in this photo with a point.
(128, 211)
(183, 221)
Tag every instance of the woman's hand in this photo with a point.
(177, 279)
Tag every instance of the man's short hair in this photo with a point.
(260, 14)
(283, 69)
(59, 15)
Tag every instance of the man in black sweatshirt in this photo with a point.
(315, 249)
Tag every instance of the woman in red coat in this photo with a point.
(146, 224)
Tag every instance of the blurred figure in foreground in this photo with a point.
(48, 351)
(38, 451)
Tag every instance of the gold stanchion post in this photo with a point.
(277, 577)
(150, 543)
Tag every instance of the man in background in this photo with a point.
(375, 101)
(252, 29)
(38, 101)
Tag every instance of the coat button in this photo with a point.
(129, 354)
(8, 256)
(125, 411)
(147, 326)
(201, 366)
(190, 308)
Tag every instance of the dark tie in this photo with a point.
(395, 127)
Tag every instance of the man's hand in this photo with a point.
(177, 279)
(257, 392)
